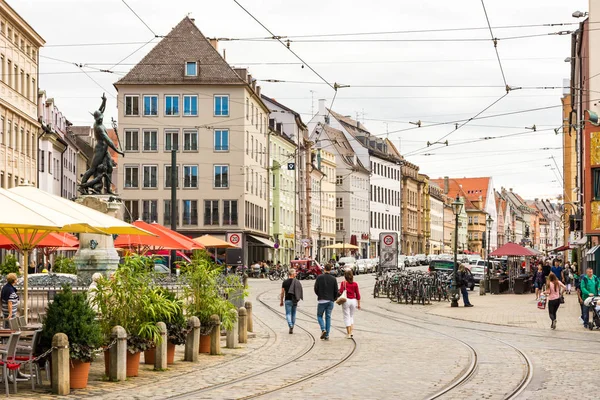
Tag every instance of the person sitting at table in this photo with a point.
(10, 299)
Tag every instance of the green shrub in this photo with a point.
(9, 266)
(64, 265)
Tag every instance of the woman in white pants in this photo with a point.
(353, 302)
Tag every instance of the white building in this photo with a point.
(436, 240)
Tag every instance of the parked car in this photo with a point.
(362, 266)
(307, 269)
(478, 272)
(421, 259)
(348, 262)
(441, 265)
(374, 264)
(412, 261)
(402, 261)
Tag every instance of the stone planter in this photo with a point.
(79, 372)
(106, 361)
(133, 364)
(170, 353)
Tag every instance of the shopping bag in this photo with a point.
(542, 303)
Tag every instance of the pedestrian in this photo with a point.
(462, 281)
(10, 298)
(291, 294)
(554, 292)
(557, 269)
(547, 269)
(352, 301)
(568, 277)
(590, 285)
(31, 269)
(538, 281)
(326, 289)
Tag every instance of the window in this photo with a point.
(150, 105)
(150, 140)
(476, 219)
(132, 176)
(132, 140)
(171, 140)
(190, 176)
(132, 105)
(168, 176)
(211, 212)
(596, 183)
(149, 211)
(339, 202)
(190, 105)
(339, 180)
(150, 176)
(222, 105)
(339, 224)
(190, 140)
(190, 212)
(191, 68)
(222, 140)
(167, 213)
(171, 105)
(49, 161)
(41, 161)
(470, 220)
(221, 176)
(230, 212)
(132, 210)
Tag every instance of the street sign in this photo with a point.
(291, 166)
(388, 250)
(235, 239)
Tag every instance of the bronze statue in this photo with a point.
(102, 163)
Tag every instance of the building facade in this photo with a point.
(327, 200)
(437, 226)
(412, 197)
(19, 126)
(215, 119)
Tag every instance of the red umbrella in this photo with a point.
(52, 240)
(161, 240)
(512, 249)
(188, 243)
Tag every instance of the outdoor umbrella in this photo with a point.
(31, 214)
(213, 242)
(342, 246)
(186, 242)
(51, 240)
(162, 240)
(512, 249)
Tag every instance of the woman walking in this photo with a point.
(554, 288)
(538, 281)
(353, 302)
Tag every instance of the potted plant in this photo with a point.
(207, 294)
(70, 314)
(130, 300)
(9, 266)
(171, 316)
(64, 265)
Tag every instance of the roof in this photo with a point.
(165, 63)
(466, 188)
(343, 148)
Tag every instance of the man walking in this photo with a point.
(291, 294)
(326, 289)
(590, 285)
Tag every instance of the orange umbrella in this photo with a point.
(182, 239)
(53, 239)
(161, 240)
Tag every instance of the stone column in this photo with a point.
(215, 335)
(61, 380)
(160, 359)
(232, 334)
(242, 325)
(97, 252)
(248, 306)
(117, 370)
(192, 342)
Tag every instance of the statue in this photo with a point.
(102, 163)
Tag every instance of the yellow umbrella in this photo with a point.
(211, 241)
(341, 246)
(30, 214)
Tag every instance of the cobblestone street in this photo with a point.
(399, 351)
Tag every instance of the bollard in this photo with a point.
(245, 280)
(61, 380)
(160, 359)
(249, 322)
(192, 341)
(242, 325)
(481, 288)
(215, 335)
(117, 370)
(232, 334)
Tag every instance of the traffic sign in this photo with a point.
(235, 239)
(388, 240)
(291, 166)
(388, 250)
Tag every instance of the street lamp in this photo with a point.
(489, 223)
(319, 230)
(457, 206)
(343, 242)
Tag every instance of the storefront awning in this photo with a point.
(561, 248)
(261, 241)
(592, 251)
(579, 242)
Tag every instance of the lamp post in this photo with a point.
(457, 206)
(489, 223)
(343, 242)
(319, 230)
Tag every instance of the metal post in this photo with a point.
(454, 302)
(174, 216)
(488, 286)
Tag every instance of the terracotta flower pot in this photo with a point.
(170, 353)
(204, 344)
(133, 364)
(150, 356)
(106, 361)
(79, 372)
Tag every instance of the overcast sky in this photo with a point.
(517, 162)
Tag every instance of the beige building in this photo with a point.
(19, 127)
(412, 210)
(184, 94)
(324, 200)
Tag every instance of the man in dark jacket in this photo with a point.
(326, 289)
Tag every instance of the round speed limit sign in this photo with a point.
(234, 239)
(388, 240)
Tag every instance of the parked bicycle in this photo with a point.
(413, 286)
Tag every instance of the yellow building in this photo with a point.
(569, 165)
(425, 214)
(19, 126)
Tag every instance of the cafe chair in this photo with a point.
(13, 324)
(26, 352)
(7, 361)
(22, 321)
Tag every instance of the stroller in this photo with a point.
(593, 302)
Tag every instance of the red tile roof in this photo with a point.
(469, 188)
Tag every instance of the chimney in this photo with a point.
(242, 72)
(446, 185)
(322, 110)
(214, 43)
(249, 78)
(258, 91)
(254, 84)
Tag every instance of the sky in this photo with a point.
(395, 77)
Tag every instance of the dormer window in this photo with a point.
(191, 68)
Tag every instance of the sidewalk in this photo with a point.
(512, 310)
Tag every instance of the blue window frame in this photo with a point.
(150, 105)
(171, 105)
(221, 140)
(190, 105)
(222, 105)
(221, 176)
(191, 68)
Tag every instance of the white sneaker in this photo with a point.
(348, 336)
(581, 320)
